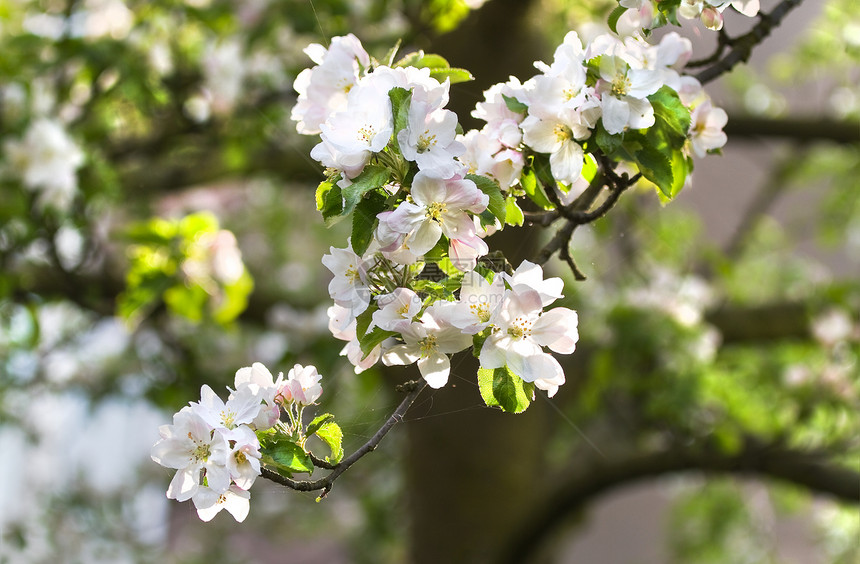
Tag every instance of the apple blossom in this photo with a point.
(706, 128)
(396, 310)
(623, 94)
(429, 342)
(210, 502)
(302, 385)
(349, 286)
(521, 330)
(438, 207)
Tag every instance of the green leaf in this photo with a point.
(613, 18)
(372, 177)
(431, 61)
(285, 455)
(503, 389)
(362, 321)
(656, 167)
(513, 214)
(453, 75)
(318, 422)
(491, 188)
(364, 220)
(329, 201)
(389, 57)
(515, 105)
(670, 113)
(331, 434)
(401, 99)
(534, 189)
(369, 341)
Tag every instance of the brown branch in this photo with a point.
(413, 388)
(813, 470)
(742, 47)
(802, 129)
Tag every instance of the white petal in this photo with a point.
(435, 369)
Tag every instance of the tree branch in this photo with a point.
(413, 389)
(742, 47)
(583, 483)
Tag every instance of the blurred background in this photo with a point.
(158, 231)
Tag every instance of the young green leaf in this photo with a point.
(503, 389)
(372, 338)
(513, 214)
(534, 189)
(364, 220)
(329, 202)
(285, 455)
(491, 188)
(331, 434)
(613, 18)
(514, 105)
(318, 422)
(372, 177)
(453, 75)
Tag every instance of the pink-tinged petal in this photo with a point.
(557, 329)
(464, 253)
(400, 355)
(458, 225)
(552, 375)
(405, 218)
(435, 369)
(426, 190)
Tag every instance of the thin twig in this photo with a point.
(413, 388)
(742, 47)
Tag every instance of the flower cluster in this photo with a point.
(607, 87)
(416, 293)
(215, 445)
(647, 14)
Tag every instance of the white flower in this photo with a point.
(478, 303)
(623, 94)
(519, 333)
(558, 136)
(342, 326)
(485, 155)
(429, 342)
(706, 128)
(438, 207)
(502, 123)
(323, 90)
(351, 136)
(243, 461)
(193, 447)
(348, 288)
(430, 139)
(46, 160)
(302, 385)
(210, 502)
(529, 276)
(241, 408)
(396, 309)
(263, 385)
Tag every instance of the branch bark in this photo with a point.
(325, 484)
(583, 483)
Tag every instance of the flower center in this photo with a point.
(435, 211)
(562, 132)
(241, 458)
(570, 93)
(520, 328)
(404, 309)
(481, 311)
(366, 133)
(228, 418)
(620, 86)
(201, 451)
(352, 274)
(427, 345)
(425, 141)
